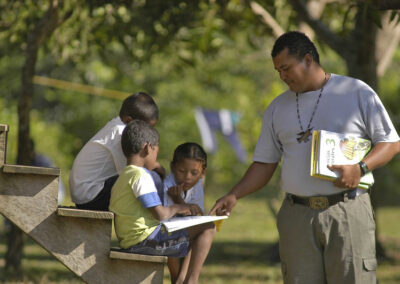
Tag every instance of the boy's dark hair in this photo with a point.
(190, 150)
(298, 44)
(139, 106)
(136, 134)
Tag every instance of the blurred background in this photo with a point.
(66, 66)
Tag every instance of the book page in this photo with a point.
(314, 152)
(178, 223)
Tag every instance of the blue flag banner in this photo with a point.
(223, 121)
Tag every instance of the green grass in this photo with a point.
(243, 251)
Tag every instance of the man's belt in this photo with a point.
(323, 202)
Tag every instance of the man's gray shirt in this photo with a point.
(346, 105)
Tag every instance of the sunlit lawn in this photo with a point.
(243, 251)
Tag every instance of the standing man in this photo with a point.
(319, 243)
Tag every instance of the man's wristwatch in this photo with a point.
(364, 168)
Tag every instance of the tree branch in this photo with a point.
(277, 30)
(388, 4)
(316, 8)
(387, 41)
(337, 43)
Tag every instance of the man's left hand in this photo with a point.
(350, 175)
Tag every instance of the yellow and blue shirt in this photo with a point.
(131, 196)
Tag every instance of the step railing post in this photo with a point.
(3, 143)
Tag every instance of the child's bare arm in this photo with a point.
(175, 192)
(165, 212)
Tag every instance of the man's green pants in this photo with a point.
(335, 245)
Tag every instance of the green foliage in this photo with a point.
(10, 75)
(8, 116)
(210, 71)
(48, 137)
(226, 80)
(389, 178)
(208, 54)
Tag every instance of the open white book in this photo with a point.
(330, 148)
(179, 223)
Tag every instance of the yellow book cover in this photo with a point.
(330, 148)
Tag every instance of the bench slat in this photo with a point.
(74, 212)
(18, 169)
(116, 254)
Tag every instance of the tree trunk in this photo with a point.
(15, 237)
(361, 60)
(15, 244)
(363, 65)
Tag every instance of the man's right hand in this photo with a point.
(224, 205)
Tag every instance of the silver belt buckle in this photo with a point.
(318, 202)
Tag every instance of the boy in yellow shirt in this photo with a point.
(138, 209)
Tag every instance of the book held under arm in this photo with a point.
(330, 148)
(179, 223)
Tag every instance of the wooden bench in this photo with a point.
(118, 253)
(81, 213)
(115, 253)
(79, 239)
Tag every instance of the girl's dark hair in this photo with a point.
(298, 45)
(190, 150)
(136, 134)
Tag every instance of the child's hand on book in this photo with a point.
(195, 209)
(188, 210)
(350, 175)
(184, 210)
